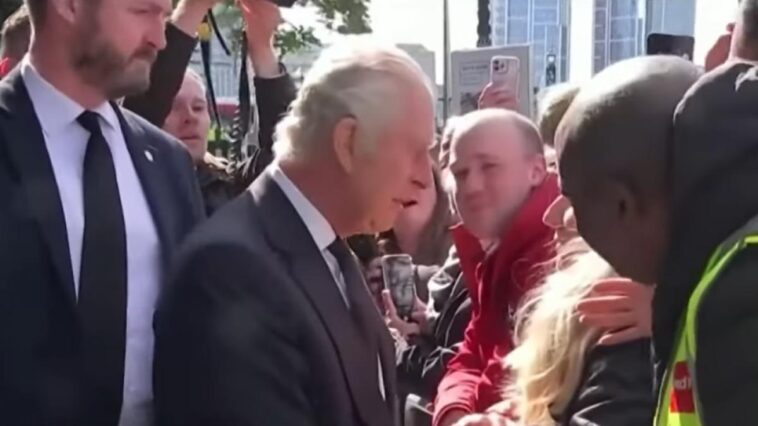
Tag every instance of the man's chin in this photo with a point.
(129, 85)
(378, 225)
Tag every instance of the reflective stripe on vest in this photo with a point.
(678, 404)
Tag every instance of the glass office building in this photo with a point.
(604, 31)
(541, 23)
(618, 31)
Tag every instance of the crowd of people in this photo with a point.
(592, 265)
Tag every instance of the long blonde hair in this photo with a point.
(551, 344)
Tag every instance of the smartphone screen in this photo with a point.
(397, 271)
(669, 44)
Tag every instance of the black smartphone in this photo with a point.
(397, 271)
(670, 44)
(284, 3)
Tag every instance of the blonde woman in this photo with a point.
(583, 352)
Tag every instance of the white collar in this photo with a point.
(322, 232)
(54, 109)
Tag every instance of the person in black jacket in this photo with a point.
(177, 103)
(693, 182)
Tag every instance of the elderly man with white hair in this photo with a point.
(286, 332)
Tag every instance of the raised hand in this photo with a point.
(188, 14)
(498, 97)
(262, 18)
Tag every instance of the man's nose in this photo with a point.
(157, 35)
(423, 178)
(190, 117)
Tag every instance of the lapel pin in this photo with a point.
(149, 156)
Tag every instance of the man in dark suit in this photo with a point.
(94, 201)
(286, 333)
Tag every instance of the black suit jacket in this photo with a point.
(265, 339)
(39, 332)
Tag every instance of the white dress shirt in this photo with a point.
(66, 143)
(323, 235)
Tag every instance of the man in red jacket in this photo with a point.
(501, 190)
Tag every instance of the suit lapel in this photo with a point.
(289, 235)
(148, 161)
(26, 147)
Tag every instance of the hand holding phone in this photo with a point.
(503, 88)
(398, 274)
(505, 72)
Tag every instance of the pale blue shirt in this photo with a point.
(66, 143)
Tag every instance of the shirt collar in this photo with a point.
(322, 232)
(54, 109)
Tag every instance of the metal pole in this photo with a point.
(445, 60)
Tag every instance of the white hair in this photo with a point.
(358, 78)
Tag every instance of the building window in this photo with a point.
(623, 7)
(518, 31)
(518, 9)
(546, 16)
(623, 28)
(621, 50)
(539, 23)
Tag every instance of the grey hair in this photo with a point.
(356, 77)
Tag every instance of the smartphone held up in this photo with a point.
(504, 73)
(670, 44)
(398, 274)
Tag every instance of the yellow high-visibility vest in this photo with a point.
(678, 403)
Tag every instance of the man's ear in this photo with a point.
(626, 205)
(538, 170)
(345, 143)
(68, 9)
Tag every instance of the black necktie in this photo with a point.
(102, 280)
(362, 306)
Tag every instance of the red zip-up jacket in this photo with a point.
(497, 282)
(5, 67)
